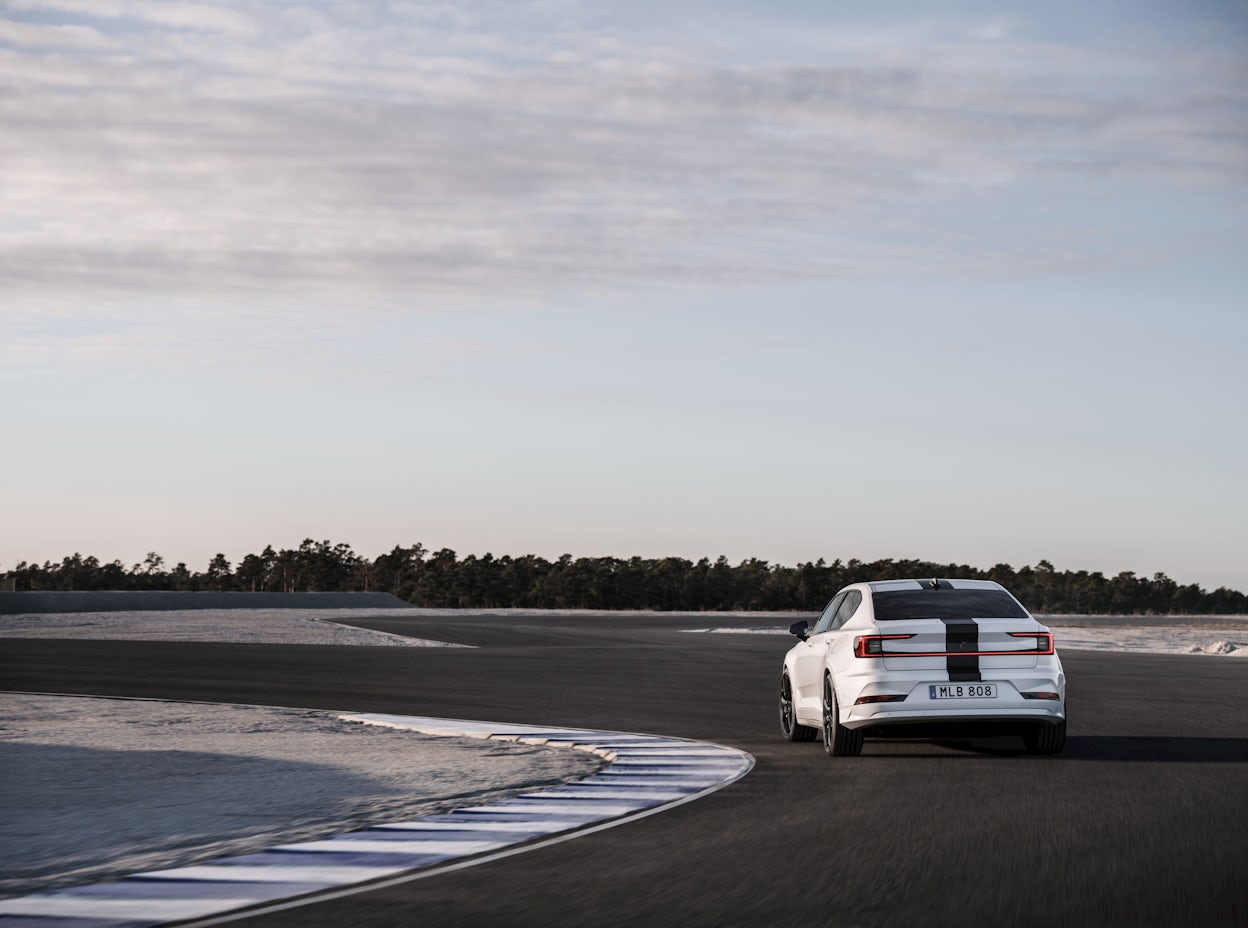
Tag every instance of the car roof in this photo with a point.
(888, 586)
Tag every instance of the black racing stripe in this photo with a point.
(962, 635)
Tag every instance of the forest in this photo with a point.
(442, 579)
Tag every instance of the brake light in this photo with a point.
(872, 645)
(1044, 642)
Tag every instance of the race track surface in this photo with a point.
(1143, 820)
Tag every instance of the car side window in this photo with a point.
(846, 610)
(825, 620)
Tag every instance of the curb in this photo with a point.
(645, 774)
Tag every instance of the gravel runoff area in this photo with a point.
(30, 601)
(233, 626)
(96, 788)
(1214, 635)
(1228, 637)
(1222, 635)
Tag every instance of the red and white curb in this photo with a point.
(646, 774)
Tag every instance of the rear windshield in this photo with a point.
(946, 604)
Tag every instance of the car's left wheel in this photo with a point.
(790, 727)
(838, 740)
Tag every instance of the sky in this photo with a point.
(952, 281)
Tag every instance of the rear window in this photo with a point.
(946, 604)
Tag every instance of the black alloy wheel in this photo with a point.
(790, 727)
(838, 740)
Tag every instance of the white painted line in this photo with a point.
(348, 844)
(627, 803)
(684, 787)
(624, 761)
(505, 827)
(643, 775)
(661, 752)
(575, 812)
(593, 793)
(149, 910)
(272, 873)
(649, 751)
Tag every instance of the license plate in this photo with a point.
(962, 691)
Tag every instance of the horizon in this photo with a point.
(829, 281)
(166, 565)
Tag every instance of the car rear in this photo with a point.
(952, 653)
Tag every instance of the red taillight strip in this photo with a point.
(1044, 641)
(861, 644)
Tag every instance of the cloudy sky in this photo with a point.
(957, 281)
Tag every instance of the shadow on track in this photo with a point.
(1157, 750)
(1118, 748)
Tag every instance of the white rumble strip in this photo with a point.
(646, 774)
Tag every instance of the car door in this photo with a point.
(809, 662)
(839, 647)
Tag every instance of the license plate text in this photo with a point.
(962, 691)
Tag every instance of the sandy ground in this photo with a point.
(1228, 640)
(1214, 635)
(238, 626)
(98, 788)
(1174, 639)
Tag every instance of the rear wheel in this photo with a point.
(838, 740)
(1045, 739)
(790, 727)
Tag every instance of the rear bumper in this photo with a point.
(1008, 707)
(995, 717)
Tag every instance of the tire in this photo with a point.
(1045, 739)
(838, 740)
(790, 727)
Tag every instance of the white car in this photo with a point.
(926, 658)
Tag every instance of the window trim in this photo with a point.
(838, 621)
(829, 613)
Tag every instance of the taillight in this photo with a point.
(1044, 642)
(872, 645)
(1040, 696)
(864, 699)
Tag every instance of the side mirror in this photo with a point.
(800, 629)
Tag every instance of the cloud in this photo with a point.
(50, 36)
(336, 151)
(210, 17)
(995, 29)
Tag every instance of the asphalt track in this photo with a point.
(1143, 820)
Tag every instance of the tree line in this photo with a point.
(442, 579)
